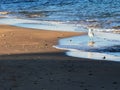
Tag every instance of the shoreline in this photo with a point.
(25, 40)
(20, 40)
(49, 68)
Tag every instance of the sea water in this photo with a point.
(103, 16)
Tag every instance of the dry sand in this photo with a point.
(29, 62)
(20, 40)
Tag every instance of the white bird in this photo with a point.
(91, 34)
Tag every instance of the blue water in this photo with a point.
(98, 13)
(103, 16)
(81, 46)
(102, 11)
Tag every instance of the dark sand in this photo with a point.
(28, 62)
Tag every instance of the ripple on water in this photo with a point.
(80, 46)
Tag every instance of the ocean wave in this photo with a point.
(79, 15)
(84, 8)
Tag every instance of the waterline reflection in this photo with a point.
(81, 47)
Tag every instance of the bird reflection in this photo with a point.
(91, 43)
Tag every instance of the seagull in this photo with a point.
(91, 34)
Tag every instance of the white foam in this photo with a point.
(46, 25)
(91, 55)
(110, 36)
(13, 21)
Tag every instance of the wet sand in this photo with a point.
(29, 62)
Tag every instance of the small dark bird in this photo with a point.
(104, 57)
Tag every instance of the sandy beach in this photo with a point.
(21, 40)
(28, 61)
